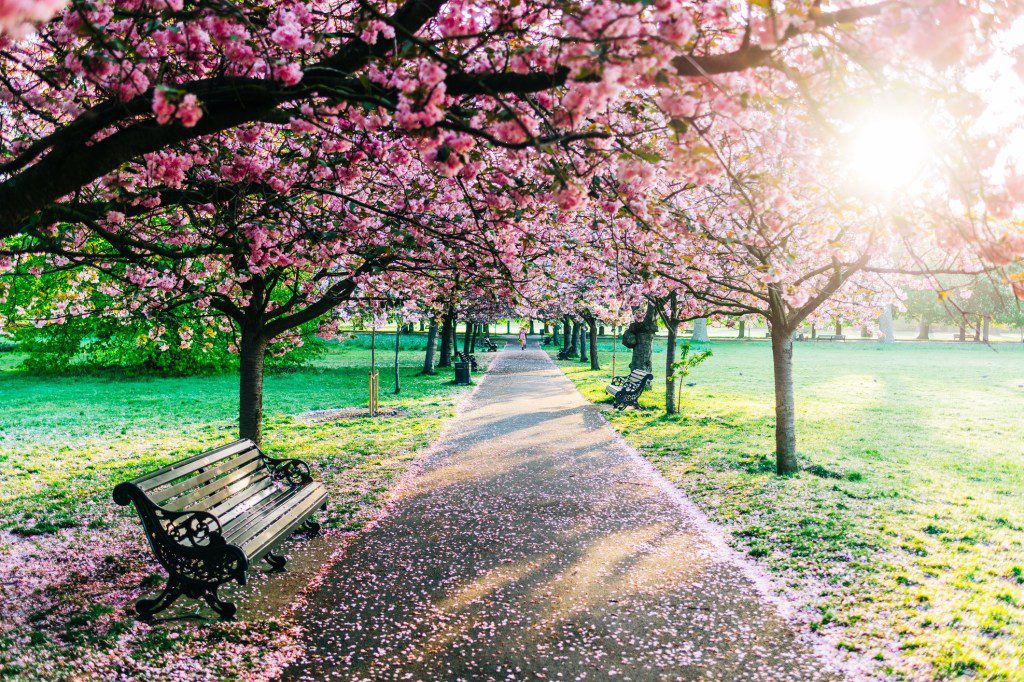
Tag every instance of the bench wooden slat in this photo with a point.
(236, 505)
(272, 516)
(186, 466)
(291, 513)
(257, 547)
(252, 514)
(162, 495)
(232, 483)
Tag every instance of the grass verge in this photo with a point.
(905, 532)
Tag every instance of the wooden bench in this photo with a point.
(211, 517)
(627, 391)
(830, 337)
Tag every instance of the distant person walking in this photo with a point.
(522, 338)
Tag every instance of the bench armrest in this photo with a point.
(188, 528)
(293, 471)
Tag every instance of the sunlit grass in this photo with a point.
(911, 511)
(66, 441)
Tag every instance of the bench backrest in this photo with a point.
(636, 381)
(214, 481)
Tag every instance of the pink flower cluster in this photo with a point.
(169, 104)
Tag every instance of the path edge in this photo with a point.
(853, 666)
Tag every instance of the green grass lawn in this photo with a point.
(65, 442)
(906, 531)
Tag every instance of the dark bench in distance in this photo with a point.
(830, 337)
(489, 346)
(470, 358)
(625, 391)
(211, 517)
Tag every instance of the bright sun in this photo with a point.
(888, 151)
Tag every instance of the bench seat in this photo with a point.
(210, 517)
(626, 391)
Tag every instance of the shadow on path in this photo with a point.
(533, 547)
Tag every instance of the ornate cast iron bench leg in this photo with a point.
(225, 609)
(147, 608)
(276, 562)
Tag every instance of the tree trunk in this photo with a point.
(885, 325)
(398, 346)
(923, 329)
(252, 353)
(466, 338)
(864, 332)
(575, 345)
(839, 328)
(963, 332)
(814, 332)
(595, 363)
(642, 339)
(447, 340)
(986, 327)
(474, 332)
(743, 330)
(428, 358)
(700, 330)
(566, 334)
(785, 422)
(584, 337)
(508, 326)
(554, 333)
(531, 328)
(977, 331)
(670, 357)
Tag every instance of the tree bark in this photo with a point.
(977, 331)
(447, 340)
(566, 334)
(743, 330)
(252, 354)
(575, 345)
(554, 333)
(398, 346)
(839, 328)
(428, 358)
(584, 336)
(986, 327)
(785, 421)
(923, 329)
(466, 338)
(885, 325)
(595, 362)
(700, 330)
(642, 339)
(531, 328)
(672, 324)
(963, 332)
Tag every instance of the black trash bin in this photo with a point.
(462, 373)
